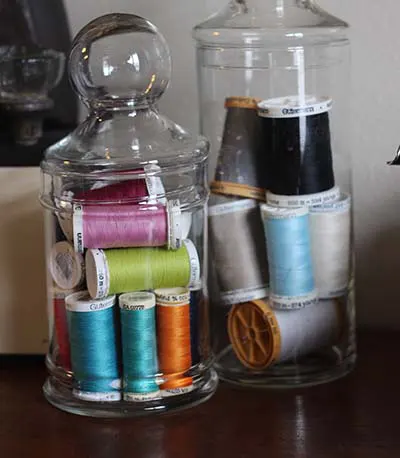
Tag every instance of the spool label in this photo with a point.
(232, 207)
(77, 222)
(293, 303)
(112, 396)
(173, 301)
(279, 213)
(237, 189)
(137, 301)
(155, 186)
(142, 397)
(174, 224)
(102, 278)
(81, 305)
(243, 295)
(310, 200)
(176, 391)
(194, 263)
(294, 107)
(343, 205)
(135, 307)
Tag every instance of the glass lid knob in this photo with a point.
(119, 61)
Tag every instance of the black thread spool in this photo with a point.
(241, 167)
(298, 145)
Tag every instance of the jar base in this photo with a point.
(60, 396)
(310, 371)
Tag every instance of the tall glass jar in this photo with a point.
(125, 198)
(274, 92)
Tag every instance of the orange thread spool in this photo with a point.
(173, 339)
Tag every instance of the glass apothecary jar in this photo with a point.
(274, 102)
(125, 199)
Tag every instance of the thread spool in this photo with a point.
(196, 298)
(241, 163)
(330, 226)
(262, 336)
(94, 353)
(287, 231)
(238, 248)
(138, 269)
(298, 144)
(174, 348)
(124, 226)
(149, 189)
(66, 266)
(59, 235)
(63, 352)
(139, 346)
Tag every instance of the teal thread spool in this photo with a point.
(139, 346)
(141, 269)
(94, 352)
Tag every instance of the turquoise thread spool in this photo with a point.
(139, 346)
(94, 353)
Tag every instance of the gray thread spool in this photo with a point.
(238, 249)
(241, 167)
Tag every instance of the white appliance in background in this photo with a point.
(23, 302)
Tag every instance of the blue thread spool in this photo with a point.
(289, 255)
(94, 354)
(139, 346)
(196, 297)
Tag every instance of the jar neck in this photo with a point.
(278, 5)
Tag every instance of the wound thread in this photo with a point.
(196, 299)
(138, 269)
(125, 226)
(262, 336)
(241, 163)
(330, 226)
(288, 237)
(63, 352)
(94, 349)
(238, 249)
(174, 346)
(297, 144)
(139, 346)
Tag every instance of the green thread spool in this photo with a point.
(136, 269)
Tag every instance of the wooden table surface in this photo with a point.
(355, 417)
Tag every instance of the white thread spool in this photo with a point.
(330, 226)
(262, 336)
(308, 329)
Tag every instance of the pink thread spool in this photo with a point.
(116, 192)
(126, 226)
(123, 191)
(150, 188)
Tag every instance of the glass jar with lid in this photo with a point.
(274, 101)
(125, 200)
